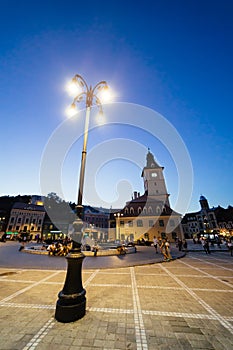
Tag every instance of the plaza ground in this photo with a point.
(183, 304)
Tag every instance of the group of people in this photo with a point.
(164, 247)
(59, 248)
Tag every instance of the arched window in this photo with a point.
(158, 210)
(139, 210)
(144, 210)
(126, 211)
(150, 211)
(131, 210)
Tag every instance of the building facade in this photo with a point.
(203, 222)
(26, 219)
(96, 223)
(148, 215)
(224, 219)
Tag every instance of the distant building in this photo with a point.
(224, 219)
(26, 218)
(208, 220)
(96, 222)
(149, 215)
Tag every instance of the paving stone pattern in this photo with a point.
(182, 304)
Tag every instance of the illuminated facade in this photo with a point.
(149, 215)
(26, 218)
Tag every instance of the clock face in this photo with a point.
(154, 174)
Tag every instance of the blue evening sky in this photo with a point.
(173, 56)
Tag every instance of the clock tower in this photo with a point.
(154, 182)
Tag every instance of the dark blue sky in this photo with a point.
(172, 56)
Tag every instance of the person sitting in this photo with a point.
(52, 249)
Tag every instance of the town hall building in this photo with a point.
(149, 215)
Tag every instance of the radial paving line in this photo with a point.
(28, 306)
(32, 344)
(88, 281)
(109, 285)
(207, 274)
(211, 263)
(220, 318)
(141, 341)
(122, 311)
(21, 291)
(110, 310)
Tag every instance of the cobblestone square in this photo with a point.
(183, 304)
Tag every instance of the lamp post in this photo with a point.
(71, 303)
(118, 236)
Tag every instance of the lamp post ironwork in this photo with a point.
(71, 303)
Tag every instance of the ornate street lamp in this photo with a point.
(71, 303)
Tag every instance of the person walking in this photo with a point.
(155, 243)
(180, 244)
(185, 245)
(165, 250)
(205, 244)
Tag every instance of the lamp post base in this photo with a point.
(71, 303)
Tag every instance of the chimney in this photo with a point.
(135, 194)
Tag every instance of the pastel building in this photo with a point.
(26, 218)
(149, 215)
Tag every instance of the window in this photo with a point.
(139, 210)
(174, 235)
(144, 210)
(17, 228)
(150, 211)
(126, 210)
(139, 223)
(163, 235)
(121, 223)
(39, 222)
(151, 223)
(12, 220)
(19, 220)
(131, 210)
(130, 223)
(146, 236)
(161, 223)
(26, 221)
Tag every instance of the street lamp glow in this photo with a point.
(106, 95)
(71, 110)
(73, 88)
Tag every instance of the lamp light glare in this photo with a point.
(105, 95)
(73, 88)
(71, 111)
